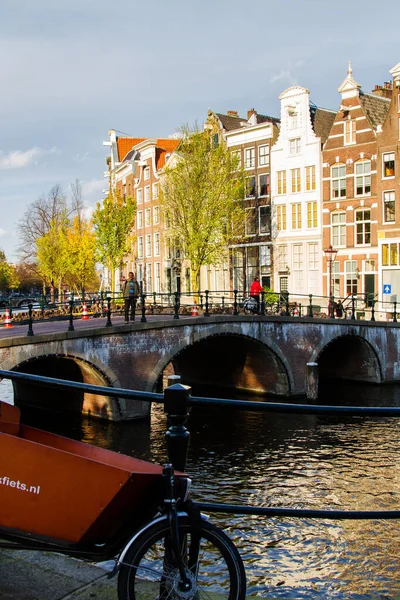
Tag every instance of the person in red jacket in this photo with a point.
(255, 291)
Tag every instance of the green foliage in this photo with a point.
(81, 241)
(270, 297)
(53, 253)
(8, 275)
(113, 220)
(201, 201)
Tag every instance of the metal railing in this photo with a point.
(177, 402)
(208, 302)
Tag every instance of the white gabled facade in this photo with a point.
(296, 159)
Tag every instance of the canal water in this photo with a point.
(287, 461)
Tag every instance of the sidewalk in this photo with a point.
(31, 575)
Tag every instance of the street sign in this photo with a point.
(387, 288)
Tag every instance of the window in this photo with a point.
(263, 185)
(263, 156)
(282, 258)
(157, 277)
(155, 191)
(250, 221)
(281, 217)
(238, 268)
(293, 119)
(338, 229)
(156, 244)
(298, 268)
(147, 193)
(312, 215)
(147, 217)
(313, 257)
(351, 276)
(296, 215)
(140, 219)
(148, 244)
(281, 182)
(264, 216)
(168, 249)
(363, 178)
(149, 282)
(336, 279)
(296, 187)
(363, 227)
(215, 140)
(156, 215)
(249, 158)
(349, 132)
(237, 159)
(389, 207)
(147, 172)
(265, 257)
(250, 187)
(388, 164)
(140, 247)
(139, 196)
(313, 269)
(338, 175)
(390, 255)
(310, 178)
(294, 146)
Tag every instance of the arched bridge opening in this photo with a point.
(67, 402)
(231, 362)
(348, 358)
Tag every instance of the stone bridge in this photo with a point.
(259, 354)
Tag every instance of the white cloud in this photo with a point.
(93, 187)
(3, 232)
(283, 76)
(19, 159)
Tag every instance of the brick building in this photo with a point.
(135, 166)
(351, 206)
(250, 139)
(388, 190)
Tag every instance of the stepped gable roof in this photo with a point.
(230, 122)
(322, 120)
(375, 108)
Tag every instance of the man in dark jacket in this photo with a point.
(130, 292)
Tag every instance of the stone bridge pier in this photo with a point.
(267, 355)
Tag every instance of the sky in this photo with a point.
(74, 69)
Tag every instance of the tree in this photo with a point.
(113, 221)
(82, 253)
(8, 275)
(53, 253)
(201, 201)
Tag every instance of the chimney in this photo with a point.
(232, 113)
(384, 91)
(251, 112)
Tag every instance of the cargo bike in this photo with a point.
(57, 494)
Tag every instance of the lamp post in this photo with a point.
(330, 255)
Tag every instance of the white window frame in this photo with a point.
(362, 227)
(139, 195)
(139, 219)
(295, 179)
(237, 156)
(294, 146)
(147, 217)
(267, 176)
(253, 220)
(148, 245)
(340, 178)
(296, 216)
(390, 157)
(363, 177)
(338, 230)
(281, 182)
(311, 182)
(388, 196)
(263, 156)
(156, 215)
(149, 278)
(349, 132)
(312, 214)
(247, 190)
(140, 247)
(281, 217)
(249, 158)
(147, 196)
(156, 244)
(268, 227)
(146, 173)
(155, 191)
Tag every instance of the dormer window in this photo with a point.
(293, 118)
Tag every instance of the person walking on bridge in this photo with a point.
(131, 293)
(255, 291)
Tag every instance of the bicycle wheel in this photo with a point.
(212, 564)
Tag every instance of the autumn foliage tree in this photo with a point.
(113, 220)
(201, 201)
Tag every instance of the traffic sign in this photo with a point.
(387, 288)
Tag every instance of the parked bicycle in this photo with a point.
(92, 503)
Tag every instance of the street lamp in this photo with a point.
(330, 255)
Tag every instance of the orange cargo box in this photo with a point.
(68, 491)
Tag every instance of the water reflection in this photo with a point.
(290, 461)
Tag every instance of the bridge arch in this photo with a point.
(69, 367)
(229, 360)
(349, 357)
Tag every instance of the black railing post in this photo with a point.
(206, 313)
(235, 302)
(353, 308)
(310, 312)
(262, 305)
(176, 408)
(395, 312)
(108, 322)
(71, 315)
(176, 305)
(332, 307)
(30, 322)
(143, 308)
(287, 304)
(373, 309)
(42, 303)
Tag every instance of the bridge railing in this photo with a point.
(204, 303)
(177, 401)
